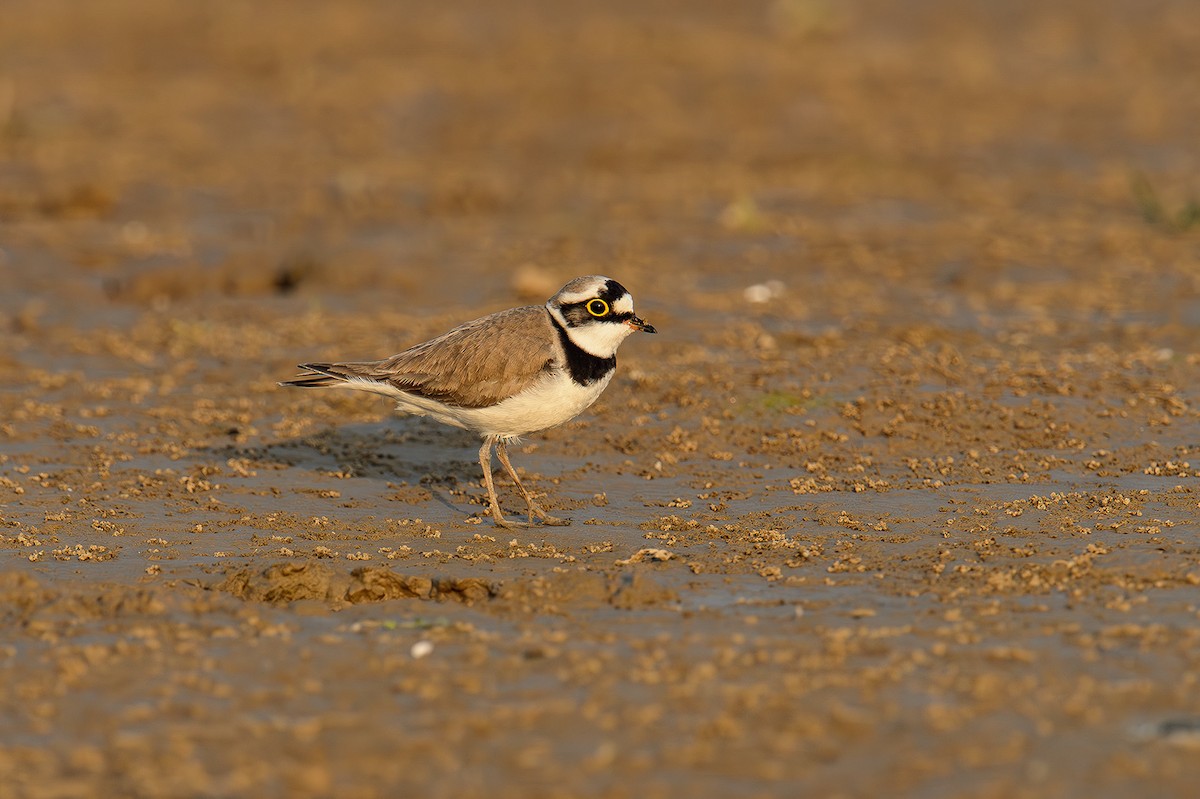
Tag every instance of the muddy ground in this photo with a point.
(902, 499)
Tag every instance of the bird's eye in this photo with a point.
(597, 307)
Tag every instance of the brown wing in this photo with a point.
(475, 365)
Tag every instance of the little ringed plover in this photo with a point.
(504, 375)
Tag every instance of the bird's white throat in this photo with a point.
(597, 337)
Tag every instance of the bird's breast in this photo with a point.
(553, 399)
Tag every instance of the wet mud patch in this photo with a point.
(284, 583)
(566, 591)
(315, 581)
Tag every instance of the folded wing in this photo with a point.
(475, 365)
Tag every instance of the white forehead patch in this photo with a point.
(623, 304)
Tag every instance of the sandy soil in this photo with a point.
(902, 500)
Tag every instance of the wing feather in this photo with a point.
(475, 365)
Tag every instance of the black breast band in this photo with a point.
(584, 367)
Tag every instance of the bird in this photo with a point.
(504, 375)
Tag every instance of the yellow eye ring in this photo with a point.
(597, 307)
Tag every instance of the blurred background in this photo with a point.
(954, 160)
(926, 276)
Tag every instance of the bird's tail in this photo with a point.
(317, 375)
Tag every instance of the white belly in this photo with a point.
(549, 402)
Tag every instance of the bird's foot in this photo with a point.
(545, 518)
(508, 524)
(542, 517)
